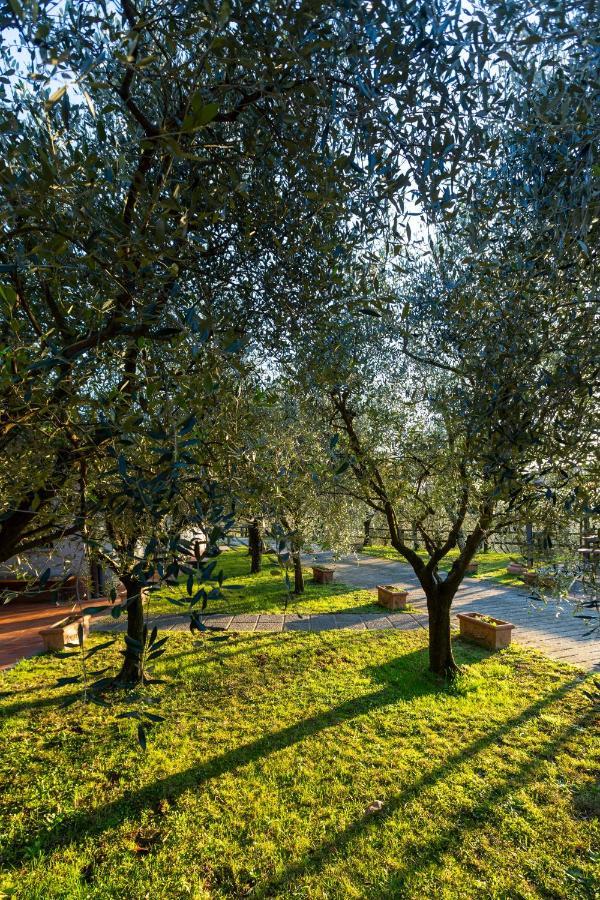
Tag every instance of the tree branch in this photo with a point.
(427, 361)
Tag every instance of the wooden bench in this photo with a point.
(54, 588)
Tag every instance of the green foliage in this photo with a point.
(166, 172)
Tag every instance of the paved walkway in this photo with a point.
(291, 622)
(550, 628)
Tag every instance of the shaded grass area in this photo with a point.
(492, 565)
(266, 592)
(274, 747)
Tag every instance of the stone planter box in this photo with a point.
(529, 577)
(323, 574)
(391, 596)
(57, 636)
(535, 580)
(472, 568)
(485, 630)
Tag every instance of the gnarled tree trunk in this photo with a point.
(132, 670)
(441, 660)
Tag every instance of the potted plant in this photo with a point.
(485, 630)
(516, 568)
(391, 596)
(57, 636)
(323, 574)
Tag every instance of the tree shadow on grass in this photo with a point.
(464, 818)
(404, 679)
(489, 810)
(80, 823)
(251, 641)
(36, 704)
(392, 674)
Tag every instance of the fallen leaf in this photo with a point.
(374, 807)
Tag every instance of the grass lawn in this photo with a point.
(492, 566)
(261, 780)
(267, 593)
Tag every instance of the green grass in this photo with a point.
(492, 566)
(267, 593)
(258, 782)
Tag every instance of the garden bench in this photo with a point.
(54, 588)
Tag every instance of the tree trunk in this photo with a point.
(132, 670)
(441, 660)
(254, 547)
(298, 576)
(367, 531)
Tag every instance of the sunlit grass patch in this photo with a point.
(266, 592)
(262, 779)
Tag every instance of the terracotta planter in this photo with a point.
(57, 636)
(529, 577)
(494, 634)
(472, 568)
(323, 574)
(535, 580)
(391, 596)
(516, 568)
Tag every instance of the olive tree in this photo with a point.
(163, 167)
(278, 472)
(459, 409)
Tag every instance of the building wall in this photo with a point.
(66, 557)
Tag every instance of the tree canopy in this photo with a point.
(387, 209)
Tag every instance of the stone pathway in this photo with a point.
(290, 622)
(550, 628)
